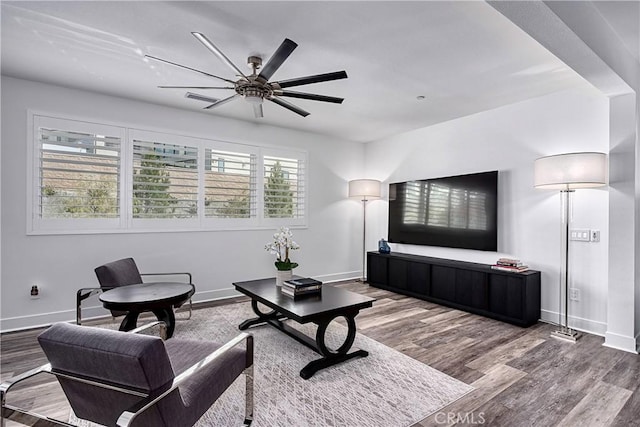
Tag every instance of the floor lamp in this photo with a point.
(365, 189)
(568, 172)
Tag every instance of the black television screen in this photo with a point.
(457, 211)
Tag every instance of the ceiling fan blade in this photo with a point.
(311, 96)
(196, 87)
(288, 106)
(199, 97)
(189, 68)
(222, 101)
(337, 75)
(207, 43)
(276, 60)
(257, 111)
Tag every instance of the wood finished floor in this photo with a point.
(522, 377)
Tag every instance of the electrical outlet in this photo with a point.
(595, 235)
(574, 294)
(34, 292)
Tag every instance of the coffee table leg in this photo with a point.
(333, 357)
(262, 317)
(130, 321)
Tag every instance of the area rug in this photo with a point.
(384, 389)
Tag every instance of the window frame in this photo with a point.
(36, 223)
(125, 223)
(290, 154)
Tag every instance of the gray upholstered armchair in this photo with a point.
(128, 379)
(119, 273)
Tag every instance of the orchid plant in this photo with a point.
(280, 247)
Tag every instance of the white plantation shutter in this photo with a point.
(78, 174)
(284, 187)
(86, 177)
(229, 184)
(165, 180)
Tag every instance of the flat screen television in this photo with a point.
(456, 211)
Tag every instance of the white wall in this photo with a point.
(509, 139)
(60, 264)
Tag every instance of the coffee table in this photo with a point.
(157, 297)
(320, 309)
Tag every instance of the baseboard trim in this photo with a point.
(620, 342)
(42, 320)
(581, 324)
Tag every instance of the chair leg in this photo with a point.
(248, 410)
(190, 311)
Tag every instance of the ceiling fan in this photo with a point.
(256, 87)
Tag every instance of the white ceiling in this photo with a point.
(464, 57)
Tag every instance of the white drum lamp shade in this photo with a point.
(367, 188)
(571, 171)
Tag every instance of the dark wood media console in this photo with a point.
(468, 286)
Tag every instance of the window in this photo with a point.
(88, 177)
(230, 191)
(79, 175)
(284, 187)
(165, 180)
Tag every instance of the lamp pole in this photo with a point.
(364, 236)
(565, 332)
(364, 189)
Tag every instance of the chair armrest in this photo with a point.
(84, 293)
(163, 328)
(5, 386)
(127, 417)
(169, 274)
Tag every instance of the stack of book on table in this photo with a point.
(510, 264)
(299, 287)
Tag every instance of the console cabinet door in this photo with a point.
(418, 278)
(443, 283)
(506, 296)
(377, 269)
(398, 273)
(471, 289)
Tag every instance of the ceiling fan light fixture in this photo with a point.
(253, 99)
(253, 95)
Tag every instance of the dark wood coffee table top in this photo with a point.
(147, 296)
(305, 309)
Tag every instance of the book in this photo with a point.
(300, 293)
(301, 288)
(519, 269)
(510, 264)
(509, 260)
(305, 281)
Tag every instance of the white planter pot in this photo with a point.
(282, 275)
